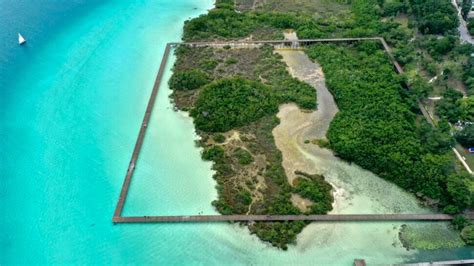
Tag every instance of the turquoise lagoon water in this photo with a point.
(71, 104)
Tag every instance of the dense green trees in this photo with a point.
(458, 192)
(217, 23)
(278, 233)
(470, 26)
(244, 157)
(466, 104)
(449, 106)
(188, 80)
(467, 234)
(468, 76)
(375, 127)
(465, 8)
(466, 136)
(438, 47)
(230, 103)
(214, 153)
(434, 16)
(226, 23)
(316, 189)
(465, 226)
(227, 4)
(435, 140)
(394, 8)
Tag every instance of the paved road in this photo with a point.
(464, 33)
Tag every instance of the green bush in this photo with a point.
(434, 16)
(219, 138)
(459, 222)
(225, 4)
(229, 103)
(188, 80)
(470, 25)
(449, 106)
(214, 153)
(394, 8)
(231, 61)
(468, 76)
(466, 7)
(466, 136)
(467, 234)
(209, 64)
(438, 47)
(458, 190)
(243, 156)
(316, 189)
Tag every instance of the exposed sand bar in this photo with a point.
(297, 126)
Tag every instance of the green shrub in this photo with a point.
(438, 47)
(467, 234)
(434, 16)
(449, 106)
(243, 156)
(229, 103)
(209, 64)
(231, 61)
(214, 153)
(219, 138)
(451, 209)
(188, 80)
(466, 136)
(458, 190)
(316, 189)
(470, 25)
(466, 7)
(459, 222)
(393, 8)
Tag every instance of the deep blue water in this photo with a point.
(72, 100)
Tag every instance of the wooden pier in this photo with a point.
(141, 135)
(444, 263)
(286, 218)
(118, 218)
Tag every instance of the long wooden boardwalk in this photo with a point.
(118, 218)
(283, 218)
(141, 135)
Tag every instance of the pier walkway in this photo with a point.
(284, 218)
(141, 135)
(292, 44)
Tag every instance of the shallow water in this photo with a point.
(72, 101)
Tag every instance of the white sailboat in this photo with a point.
(21, 40)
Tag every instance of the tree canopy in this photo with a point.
(188, 80)
(229, 103)
(375, 127)
(434, 16)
